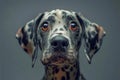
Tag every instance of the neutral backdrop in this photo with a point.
(15, 64)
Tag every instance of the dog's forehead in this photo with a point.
(59, 13)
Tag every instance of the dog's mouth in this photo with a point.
(59, 58)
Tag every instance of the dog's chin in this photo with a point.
(59, 58)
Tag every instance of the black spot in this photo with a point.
(31, 35)
(66, 66)
(71, 69)
(31, 24)
(29, 30)
(55, 70)
(63, 78)
(59, 22)
(55, 14)
(39, 19)
(64, 15)
(49, 14)
(81, 22)
(51, 19)
(25, 50)
(63, 69)
(66, 28)
(69, 17)
(68, 75)
(25, 37)
(61, 29)
(92, 41)
(19, 40)
(55, 78)
(77, 76)
(52, 79)
(74, 65)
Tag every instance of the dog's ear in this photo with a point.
(93, 36)
(27, 37)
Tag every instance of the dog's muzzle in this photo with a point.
(59, 51)
(59, 44)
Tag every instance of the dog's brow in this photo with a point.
(70, 17)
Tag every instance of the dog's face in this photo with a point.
(59, 34)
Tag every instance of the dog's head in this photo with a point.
(58, 34)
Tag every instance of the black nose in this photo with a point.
(59, 42)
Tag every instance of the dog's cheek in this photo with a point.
(72, 39)
(43, 39)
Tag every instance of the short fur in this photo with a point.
(59, 34)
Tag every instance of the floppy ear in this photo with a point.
(27, 37)
(93, 36)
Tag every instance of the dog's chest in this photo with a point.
(66, 72)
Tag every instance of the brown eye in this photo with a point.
(45, 26)
(73, 26)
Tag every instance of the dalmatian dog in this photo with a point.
(58, 35)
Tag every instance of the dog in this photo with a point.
(59, 34)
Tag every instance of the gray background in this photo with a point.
(15, 64)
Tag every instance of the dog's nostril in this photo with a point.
(64, 43)
(59, 41)
(54, 43)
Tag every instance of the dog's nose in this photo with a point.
(59, 42)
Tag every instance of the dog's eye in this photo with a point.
(73, 26)
(45, 26)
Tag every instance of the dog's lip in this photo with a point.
(61, 60)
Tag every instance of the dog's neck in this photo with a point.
(62, 72)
